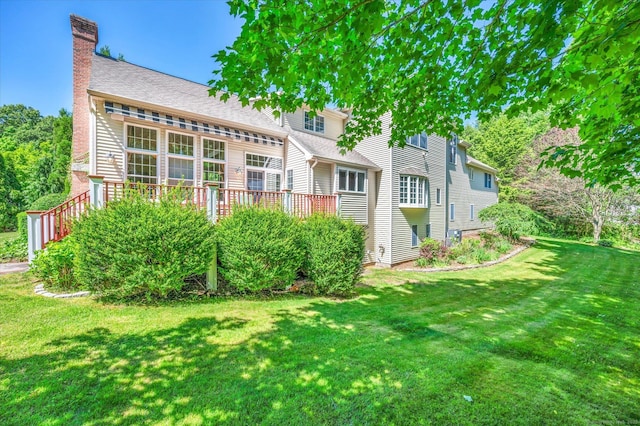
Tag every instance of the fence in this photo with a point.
(55, 224)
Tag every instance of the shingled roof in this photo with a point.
(326, 149)
(129, 81)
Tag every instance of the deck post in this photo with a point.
(96, 191)
(287, 201)
(34, 232)
(212, 201)
(338, 204)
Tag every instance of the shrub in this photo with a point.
(14, 249)
(503, 247)
(605, 243)
(481, 255)
(334, 253)
(258, 249)
(135, 248)
(432, 250)
(489, 239)
(512, 220)
(463, 248)
(421, 262)
(54, 265)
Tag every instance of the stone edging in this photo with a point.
(42, 292)
(463, 267)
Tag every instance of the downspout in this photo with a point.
(312, 186)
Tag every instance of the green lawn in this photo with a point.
(550, 337)
(6, 236)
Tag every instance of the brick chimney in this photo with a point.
(85, 40)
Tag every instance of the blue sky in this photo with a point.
(177, 37)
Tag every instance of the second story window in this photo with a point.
(487, 180)
(418, 140)
(413, 191)
(315, 124)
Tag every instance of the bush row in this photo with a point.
(262, 249)
(135, 249)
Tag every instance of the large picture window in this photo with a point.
(413, 191)
(418, 140)
(180, 159)
(142, 157)
(213, 161)
(351, 180)
(264, 173)
(315, 124)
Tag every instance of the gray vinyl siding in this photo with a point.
(463, 192)
(370, 241)
(376, 149)
(297, 162)
(322, 179)
(404, 218)
(354, 206)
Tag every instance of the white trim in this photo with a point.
(315, 124)
(286, 178)
(425, 193)
(169, 155)
(211, 160)
(155, 153)
(261, 169)
(93, 149)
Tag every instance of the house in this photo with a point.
(135, 124)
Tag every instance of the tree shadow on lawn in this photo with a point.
(527, 351)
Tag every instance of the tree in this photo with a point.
(502, 142)
(434, 63)
(569, 201)
(9, 195)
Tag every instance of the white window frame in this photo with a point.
(452, 212)
(128, 150)
(289, 185)
(488, 178)
(314, 122)
(472, 212)
(264, 170)
(420, 137)
(348, 171)
(471, 174)
(438, 196)
(204, 160)
(191, 158)
(427, 230)
(415, 238)
(416, 189)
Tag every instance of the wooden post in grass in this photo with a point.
(212, 273)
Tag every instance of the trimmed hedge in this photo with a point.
(334, 253)
(134, 248)
(259, 249)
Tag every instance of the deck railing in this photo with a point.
(56, 223)
(191, 195)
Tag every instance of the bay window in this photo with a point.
(413, 191)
